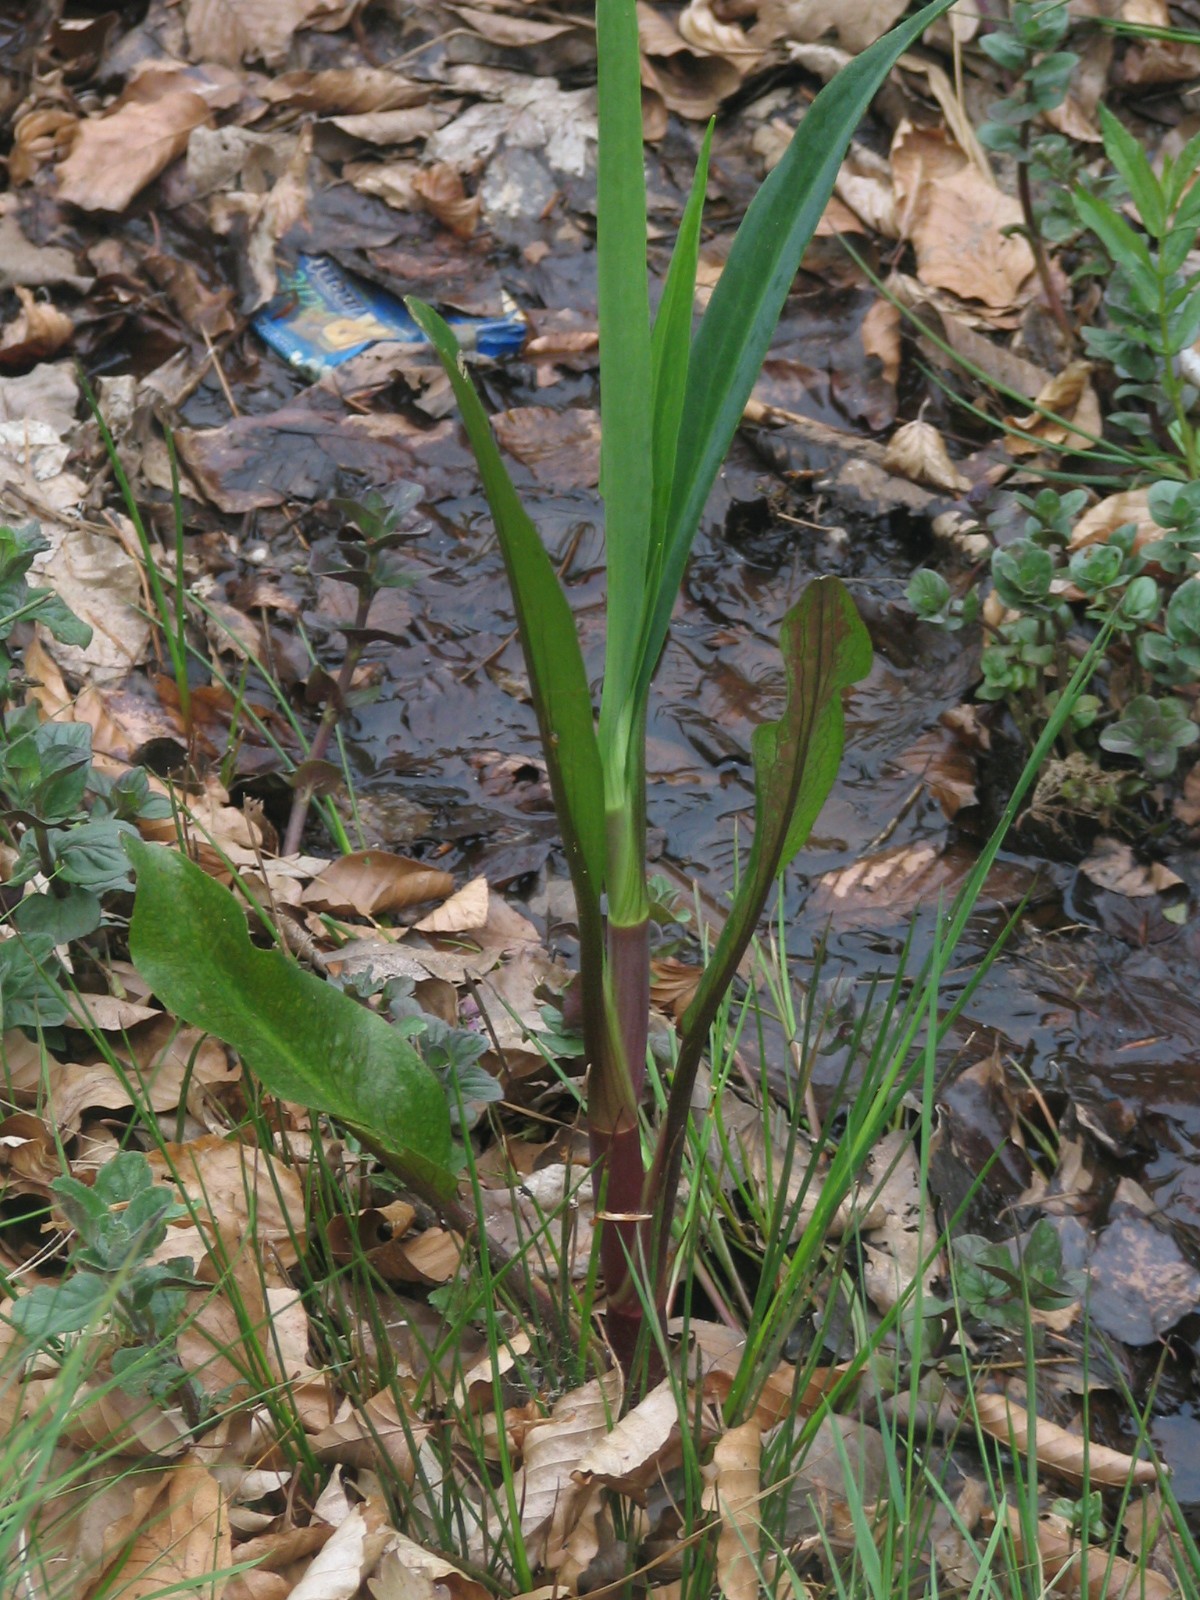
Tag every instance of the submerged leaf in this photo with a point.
(301, 1037)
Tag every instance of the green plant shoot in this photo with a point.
(670, 404)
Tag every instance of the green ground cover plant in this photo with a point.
(1052, 590)
(671, 402)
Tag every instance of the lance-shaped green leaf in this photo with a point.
(671, 348)
(302, 1039)
(744, 310)
(623, 303)
(825, 649)
(557, 678)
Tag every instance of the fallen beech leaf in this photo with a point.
(946, 767)
(1111, 864)
(441, 188)
(560, 448)
(346, 90)
(955, 219)
(465, 909)
(917, 450)
(233, 31)
(880, 334)
(38, 332)
(1060, 1451)
(733, 1493)
(1109, 1577)
(643, 1445)
(370, 883)
(1070, 395)
(359, 1435)
(547, 1490)
(117, 154)
(673, 984)
(93, 573)
(857, 23)
(339, 1567)
(240, 1190)
(409, 1571)
(894, 883)
(1103, 519)
(183, 1541)
(405, 125)
(108, 1012)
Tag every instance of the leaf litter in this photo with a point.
(157, 187)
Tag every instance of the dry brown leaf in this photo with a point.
(547, 1491)
(465, 909)
(40, 137)
(359, 1435)
(857, 23)
(917, 451)
(91, 571)
(689, 82)
(117, 154)
(240, 1190)
(893, 883)
(339, 1567)
(513, 32)
(1060, 1451)
(441, 188)
(347, 90)
(432, 1257)
(955, 219)
(406, 125)
(1150, 61)
(1100, 521)
(946, 767)
(673, 984)
(895, 1248)
(1111, 864)
(560, 448)
(701, 28)
(1109, 1577)
(532, 1217)
(233, 31)
(880, 334)
(408, 1572)
(369, 883)
(643, 1445)
(1070, 395)
(38, 332)
(733, 1493)
(108, 1012)
(186, 1538)
(1187, 802)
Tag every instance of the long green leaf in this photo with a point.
(561, 696)
(738, 325)
(825, 649)
(302, 1038)
(623, 302)
(670, 350)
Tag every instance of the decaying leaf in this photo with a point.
(733, 1493)
(1111, 864)
(1060, 1451)
(1069, 395)
(1109, 1577)
(117, 154)
(185, 1539)
(956, 220)
(467, 908)
(370, 883)
(548, 1491)
(917, 450)
(38, 332)
(1098, 522)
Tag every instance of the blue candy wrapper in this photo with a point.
(321, 317)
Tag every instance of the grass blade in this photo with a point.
(561, 696)
(737, 328)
